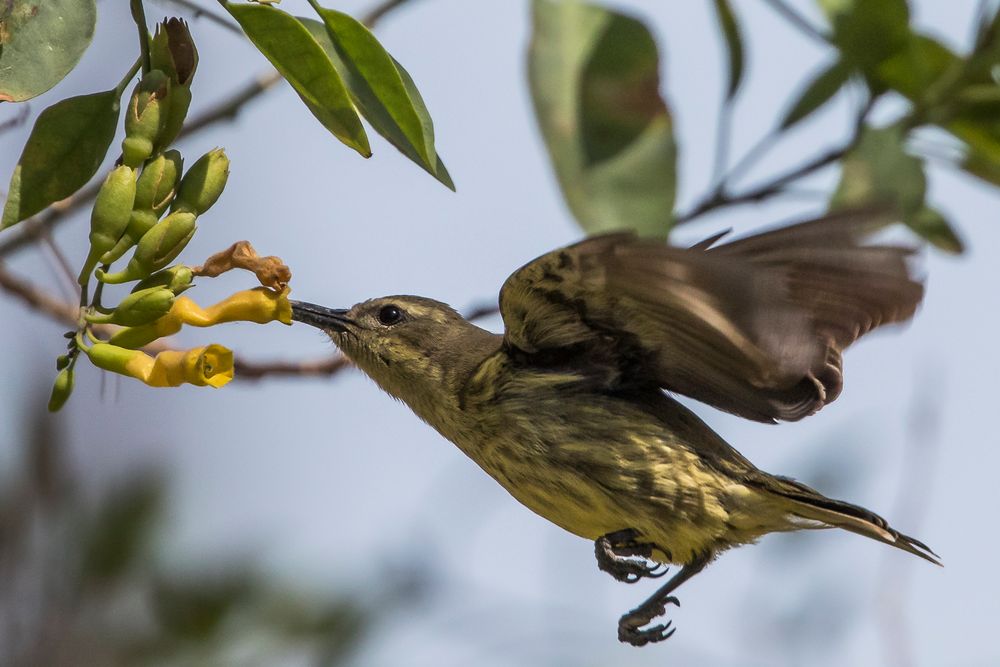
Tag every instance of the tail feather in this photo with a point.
(810, 504)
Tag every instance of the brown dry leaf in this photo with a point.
(270, 271)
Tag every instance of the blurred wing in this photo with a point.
(754, 327)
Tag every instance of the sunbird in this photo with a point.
(570, 410)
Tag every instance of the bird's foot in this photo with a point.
(617, 552)
(630, 630)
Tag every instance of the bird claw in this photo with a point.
(637, 637)
(615, 555)
(630, 630)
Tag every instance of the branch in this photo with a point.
(720, 199)
(38, 300)
(797, 20)
(252, 371)
(16, 121)
(200, 12)
(376, 13)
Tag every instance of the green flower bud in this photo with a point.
(62, 361)
(61, 389)
(177, 103)
(158, 181)
(138, 308)
(110, 217)
(177, 279)
(145, 118)
(139, 223)
(203, 183)
(172, 50)
(157, 248)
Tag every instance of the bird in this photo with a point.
(572, 410)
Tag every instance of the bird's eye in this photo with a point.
(389, 315)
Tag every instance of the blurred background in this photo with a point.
(301, 521)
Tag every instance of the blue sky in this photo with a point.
(327, 481)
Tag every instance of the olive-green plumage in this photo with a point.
(567, 411)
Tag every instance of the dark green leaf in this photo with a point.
(868, 31)
(361, 52)
(819, 91)
(595, 85)
(931, 225)
(114, 537)
(915, 70)
(880, 171)
(40, 43)
(65, 148)
(301, 60)
(372, 108)
(982, 166)
(195, 608)
(734, 44)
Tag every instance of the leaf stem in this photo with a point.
(127, 79)
(139, 16)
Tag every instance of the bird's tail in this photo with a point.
(811, 505)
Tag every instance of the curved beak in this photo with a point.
(320, 316)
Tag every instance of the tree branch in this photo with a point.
(720, 199)
(797, 20)
(376, 13)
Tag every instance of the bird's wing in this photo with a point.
(754, 327)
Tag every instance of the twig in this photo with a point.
(482, 310)
(200, 12)
(250, 370)
(65, 270)
(376, 13)
(723, 130)
(797, 20)
(719, 198)
(912, 501)
(37, 299)
(16, 121)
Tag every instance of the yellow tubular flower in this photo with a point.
(260, 305)
(202, 366)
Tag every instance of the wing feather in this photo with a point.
(755, 326)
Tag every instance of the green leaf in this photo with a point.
(375, 112)
(595, 79)
(868, 31)
(362, 53)
(982, 166)
(113, 539)
(63, 152)
(819, 91)
(301, 60)
(40, 43)
(880, 171)
(734, 44)
(931, 225)
(915, 70)
(196, 607)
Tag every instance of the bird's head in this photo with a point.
(411, 346)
